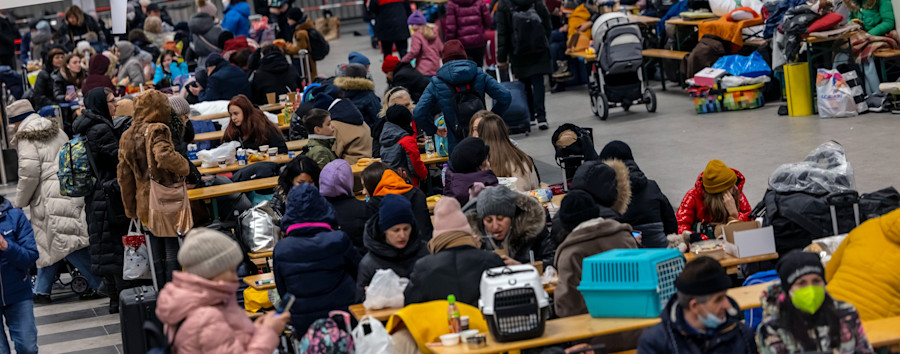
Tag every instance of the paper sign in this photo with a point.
(754, 242)
(118, 10)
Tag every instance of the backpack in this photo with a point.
(76, 169)
(528, 32)
(318, 46)
(466, 101)
(324, 336)
(753, 317)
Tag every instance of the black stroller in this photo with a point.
(78, 283)
(616, 77)
(570, 154)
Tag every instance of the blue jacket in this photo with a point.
(673, 335)
(19, 257)
(314, 262)
(440, 95)
(237, 19)
(225, 82)
(361, 92)
(175, 70)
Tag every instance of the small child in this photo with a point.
(321, 141)
(352, 137)
(425, 48)
(398, 144)
(18, 254)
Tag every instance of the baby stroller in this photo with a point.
(77, 282)
(574, 145)
(616, 78)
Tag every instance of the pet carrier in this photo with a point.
(513, 302)
(630, 282)
(616, 77)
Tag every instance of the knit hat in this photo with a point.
(616, 150)
(400, 116)
(389, 64)
(497, 200)
(577, 207)
(453, 50)
(718, 178)
(19, 110)
(416, 19)
(209, 8)
(83, 46)
(395, 209)
(43, 26)
(355, 70)
(468, 155)
(358, 58)
(336, 179)
(208, 253)
(214, 59)
(796, 264)
(448, 216)
(295, 14)
(179, 105)
(702, 276)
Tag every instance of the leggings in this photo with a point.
(387, 48)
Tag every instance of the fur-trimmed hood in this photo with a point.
(608, 182)
(152, 107)
(528, 223)
(354, 83)
(37, 128)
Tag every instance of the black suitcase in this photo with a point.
(136, 306)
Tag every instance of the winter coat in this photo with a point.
(15, 262)
(204, 37)
(439, 96)
(320, 150)
(131, 69)
(351, 214)
(42, 93)
(400, 150)
(454, 271)
(415, 196)
(40, 44)
(457, 185)
(274, 75)
(877, 21)
(692, 209)
(67, 36)
(352, 136)
(301, 41)
(104, 211)
(175, 70)
(165, 164)
(649, 211)
(774, 338)
(96, 77)
(225, 82)
(523, 66)
(362, 92)
(426, 52)
(237, 19)
(674, 335)
(381, 255)
(466, 21)
(408, 77)
(591, 237)
(60, 84)
(528, 232)
(390, 19)
(58, 221)
(204, 317)
(274, 138)
(863, 270)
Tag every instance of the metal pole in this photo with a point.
(4, 143)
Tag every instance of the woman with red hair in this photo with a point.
(251, 128)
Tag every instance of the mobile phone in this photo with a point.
(70, 90)
(285, 305)
(636, 234)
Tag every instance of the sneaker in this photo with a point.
(90, 294)
(543, 126)
(533, 122)
(41, 299)
(563, 69)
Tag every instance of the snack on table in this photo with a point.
(365, 161)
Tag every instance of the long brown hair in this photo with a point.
(75, 11)
(506, 159)
(72, 78)
(255, 126)
(715, 204)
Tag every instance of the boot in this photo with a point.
(562, 70)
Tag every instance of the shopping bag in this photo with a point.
(370, 337)
(752, 65)
(385, 290)
(136, 264)
(259, 227)
(835, 98)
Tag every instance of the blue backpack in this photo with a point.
(753, 317)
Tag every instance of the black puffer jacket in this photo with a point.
(384, 256)
(69, 35)
(529, 231)
(390, 19)
(274, 75)
(420, 210)
(351, 216)
(103, 208)
(43, 87)
(650, 211)
(454, 271)
(405, 75)
(522, 65)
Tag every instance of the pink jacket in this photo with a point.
(426, 53)
(213, 321)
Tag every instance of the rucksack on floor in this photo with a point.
(528, 32)
(319, 47)
(76, 169)
(325, 337)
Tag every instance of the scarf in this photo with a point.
(451, 239)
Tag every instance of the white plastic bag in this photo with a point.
(385, 290)
(211, 157)
(370, 337)
(835, 98)
(136, 264)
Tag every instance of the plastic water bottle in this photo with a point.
(453, 314)
(443, 175)
(429, 146)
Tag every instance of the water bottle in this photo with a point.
(429, 146)
(192, 151)
(241, 157)
(443, 175)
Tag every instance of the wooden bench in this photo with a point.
(883, 332)
(886, 59)
(213, 116)
(730, 262)
(665, 54)
(296, 145)
(217, 135)
(230, 188)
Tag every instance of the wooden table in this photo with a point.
(647, 20)
(279, 159)
(295, 145)
(260, 254)
(730, 262)
(230, 188)
(883, 332)
(682, 22)
(427, 160)
(212, 116)
(217, 135)
(251, 281)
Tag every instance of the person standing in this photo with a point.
(43, 84)
(237, 18)
(466, 21)
(525, 46)
(390, 24)
(8, 36)
(18, 253)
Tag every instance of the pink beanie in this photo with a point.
(448, 216)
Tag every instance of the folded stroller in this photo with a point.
(616, 76)
(573, 145)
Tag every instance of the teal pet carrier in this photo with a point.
(630, 282)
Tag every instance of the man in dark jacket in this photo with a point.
(18, 252)
(361, 91)
(529, 57)
(225, 80)
(700, 317)
(390, 24)
(404, 75)
(204, 37)
(456, 72)
(8, 35)
(274, 75)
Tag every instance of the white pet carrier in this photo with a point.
(513, 302)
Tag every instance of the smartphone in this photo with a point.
(636, 234)
(285, 305)
(70, 90)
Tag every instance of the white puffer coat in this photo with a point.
(58, 221)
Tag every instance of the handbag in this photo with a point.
(136, 261)
(170, 209)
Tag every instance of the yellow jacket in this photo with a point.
(865, 269)
(427, 321)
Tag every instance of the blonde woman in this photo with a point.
(397, 95)
(506, 159)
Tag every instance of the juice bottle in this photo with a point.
(453, 314)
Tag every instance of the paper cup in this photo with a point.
(222, 163)
(270, 97)
(273, 152)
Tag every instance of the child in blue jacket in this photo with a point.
(18, 253)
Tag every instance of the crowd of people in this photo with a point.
(130, 99)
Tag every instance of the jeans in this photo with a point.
(387, 48)
(534, 92)
(19, 319)
(476, 55)
(558, 47)
(46, 276)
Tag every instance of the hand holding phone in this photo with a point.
(285, 304)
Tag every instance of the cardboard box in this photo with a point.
(753, 242)
(727, 231)
(708, 77)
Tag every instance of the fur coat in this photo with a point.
(529, 231)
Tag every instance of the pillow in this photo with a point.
(825, 23)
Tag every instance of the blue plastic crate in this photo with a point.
(630, 282)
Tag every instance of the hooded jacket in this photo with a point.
(466, 21)
(408, 77)
(204, 37)
(362, 92)
(390, 19)
(693, 210)
(301, 41)
(273, 75)
(863, 270)
(40, 43)
(96, 76)
(352, 136)
(457, 185)
(381, 255)
(131, 67)
(15, 282)
(237, 19)
(167, 166)
(649, 212)
(400, 150)
(674, 335)
(225, 82)
(528, 231)
(316, 264)
(391, 183)
(523, 66)
(58, 221)
(319, 149)
(213, 322)
(454, 271)
(426, 52)
(610, 190)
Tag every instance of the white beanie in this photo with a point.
(208, 253)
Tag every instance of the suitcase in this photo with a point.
(136, 307)
(301, 63)
(490, 53)
(517, 116)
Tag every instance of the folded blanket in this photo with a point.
(865, 45)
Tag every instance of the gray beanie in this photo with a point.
(207, 253)
(497, 200)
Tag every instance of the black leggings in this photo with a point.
(476, 55)
(387, 48)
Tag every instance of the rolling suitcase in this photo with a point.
(301, 63)
(136, 307)
(517, 116)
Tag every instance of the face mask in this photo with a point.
(711, 321)
(808, 299)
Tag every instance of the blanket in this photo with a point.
(730, 29)
(865, 45)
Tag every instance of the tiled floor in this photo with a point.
(70, 325)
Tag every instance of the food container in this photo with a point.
(477, 340)
(712, 248)
(273, 152)
(223, 163)
(465, 335)
(450, 339)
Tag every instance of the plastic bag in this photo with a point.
(385, 290)
(136, 264)
(211, 157)
(370, 337)
(748, 66)
(259, 227)
(550, 276)
(825, 170)
(835, 98)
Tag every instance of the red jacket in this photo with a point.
(411, 147)
(692, 209)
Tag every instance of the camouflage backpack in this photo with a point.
(324, 336)
(76, 170)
